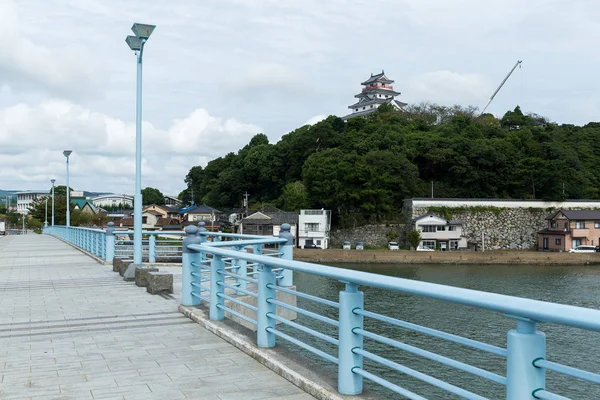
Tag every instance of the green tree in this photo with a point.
(413, 238)
(152, 196)
(294, 197)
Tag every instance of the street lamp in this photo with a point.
(136, 43)
(52, 180)
(67, 153)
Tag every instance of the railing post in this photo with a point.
(350, 299)
(524, 345)
(217, 276)
(287, 252)
(266, 278)
(110, 242)
(190, 263)
(152, 249)
(242, 271)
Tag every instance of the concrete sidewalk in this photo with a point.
(71, 328)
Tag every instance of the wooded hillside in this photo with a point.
(363, 169)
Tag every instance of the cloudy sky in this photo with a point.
(218, 72)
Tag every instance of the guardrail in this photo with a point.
(213, 272)
(207, 267)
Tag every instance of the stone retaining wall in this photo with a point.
(371, 235)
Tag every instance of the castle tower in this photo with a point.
(377, 90)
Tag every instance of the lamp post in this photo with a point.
(136, 43)
(46, 221)
(52, 180)
(67, 153)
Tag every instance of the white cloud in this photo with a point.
(315, 119)
(447, 87)
(32, 140)
(26, 64)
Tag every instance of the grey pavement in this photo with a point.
(71, 328)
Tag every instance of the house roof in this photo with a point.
(577, 214)
(153, 212)
(167, 221)
(271, 218)
(201, 209)
(80, 203)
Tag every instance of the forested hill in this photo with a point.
(363, 169)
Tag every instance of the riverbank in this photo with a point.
(445, 257)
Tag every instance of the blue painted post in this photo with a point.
(524, 345)
(242, 270)
(216, 276)
(350, 299)
(152, 248)
(202, 236)
(190, 263)
(110, 242)
(257, 249)
(287, 252)
(266, 276)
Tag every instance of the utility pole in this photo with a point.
(432, 189)
(245, 202)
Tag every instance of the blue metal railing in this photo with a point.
(210, 264)
(218, 271)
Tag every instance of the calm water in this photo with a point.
(570, 285)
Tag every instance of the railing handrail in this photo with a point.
(535, 310)
(244, 243)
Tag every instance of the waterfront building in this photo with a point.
(113, 200)
(313, 228)
(267, 221)
(377, 90)
(437, 232)
(568, 229)
(25, 198)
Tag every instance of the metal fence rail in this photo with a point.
(218, 271)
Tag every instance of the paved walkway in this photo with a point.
(70, 328)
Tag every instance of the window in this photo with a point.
(452, 228)
(363, 108)
(553, 224)
(579, 224)
(356, 109)
(429, 244)
(144, 220)
(441, 228)
(311, 227)
(428, 228)
(371, 106)
(557, 241)
(597, 224)
(545, 243)
(319, 242)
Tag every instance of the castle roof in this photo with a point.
(381, 78)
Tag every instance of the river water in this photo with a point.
(572, 285)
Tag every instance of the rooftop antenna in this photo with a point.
(518, 64)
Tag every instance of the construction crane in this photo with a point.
(518, 64)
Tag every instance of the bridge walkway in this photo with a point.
(71, 328)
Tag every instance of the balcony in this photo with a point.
(580, 233)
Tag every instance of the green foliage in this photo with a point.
(152, 196)
(413, 238)
(450, 212)
(364, 168)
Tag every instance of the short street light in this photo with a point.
(67, 153)
(136, 43)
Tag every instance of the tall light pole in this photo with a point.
(67, 153)
(52, 180)
(136, 43)
(46, 221)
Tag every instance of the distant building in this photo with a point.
(113, 200)
(568, 229)
(85, 206)
(314, 227)
(24, 199)
(267, 222)
(377, 90)
(172, 201)
(437, 232)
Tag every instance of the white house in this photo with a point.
(172, 201)
(24, 199)
(113, 200)
(436, 230)
(314, 227)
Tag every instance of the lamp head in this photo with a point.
(134, 42)
(142, 31)
(52, 180)
(67, 153)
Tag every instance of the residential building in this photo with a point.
(267, 222)
(437, 232)
(567, 229)
(113, 200)
(172, 201)
(213, 218)
(314, 227)
(86, 206)
(25, 198)
(165, 211)
(377, 90)
(150, 218)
